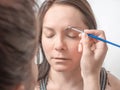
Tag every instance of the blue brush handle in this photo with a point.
(101, 39)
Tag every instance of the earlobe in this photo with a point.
(20, 87)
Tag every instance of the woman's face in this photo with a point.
(60, 45)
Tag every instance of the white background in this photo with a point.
(107, 13)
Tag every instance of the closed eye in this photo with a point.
(48, 32)
(72, 34)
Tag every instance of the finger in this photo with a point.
(100, 47)
(99, 33)
(80, 47)
(86, 44)
(80, 44)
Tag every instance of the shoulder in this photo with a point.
(113, 83)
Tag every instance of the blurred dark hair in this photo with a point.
(18, 42)
(82, 5)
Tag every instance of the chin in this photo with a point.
(61, 69)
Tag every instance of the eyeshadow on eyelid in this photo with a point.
(71, 32)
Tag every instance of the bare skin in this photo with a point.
(75, 59)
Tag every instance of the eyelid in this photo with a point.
(49, 35)
(48, 28)
(71, 31)
(72, 34)
(77, 29)
(49, 32)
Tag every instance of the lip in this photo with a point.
(60, 58)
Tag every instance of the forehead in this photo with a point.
(63, 14)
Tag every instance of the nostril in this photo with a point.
(60, 45)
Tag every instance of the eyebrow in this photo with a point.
(48, 28)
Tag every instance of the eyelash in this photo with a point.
(72, 36)
(49, 36)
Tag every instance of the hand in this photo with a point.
(93, 53)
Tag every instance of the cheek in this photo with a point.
(73, 49)
(47, 47)
(73, 46)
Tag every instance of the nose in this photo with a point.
(60, 44)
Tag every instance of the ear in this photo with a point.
(20, 87)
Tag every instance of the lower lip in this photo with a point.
(60, 59)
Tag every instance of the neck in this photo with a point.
(70, 78)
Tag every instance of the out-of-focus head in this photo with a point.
(18, 45)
